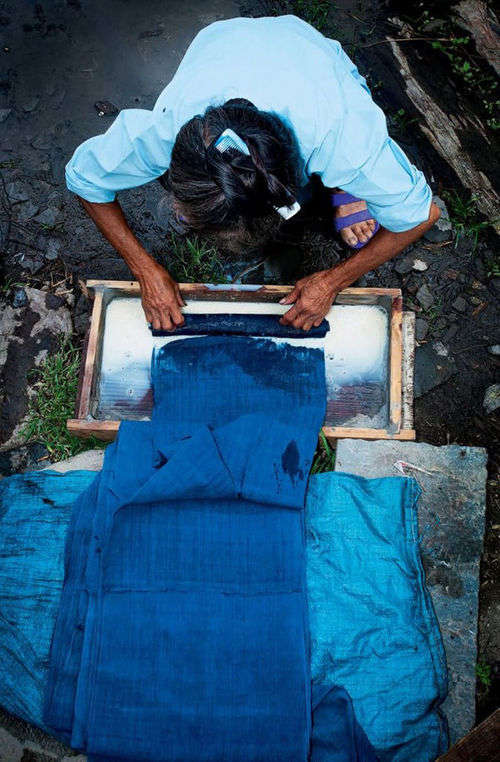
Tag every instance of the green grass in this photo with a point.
(434, 313)
(315, 12)
(402, 121)
(483, 673)
(493, 266)
(8, 284)
(324, 457)
(191, 260)
(56, 382)
(465, 218)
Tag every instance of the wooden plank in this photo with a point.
(482, 744)
(474, 16)
(81, 372)
(107, 430)
(446, 134)
(104, 430)
(226, 291)
(90, 357)
(396, 363)
(340, 432)
(408, 369)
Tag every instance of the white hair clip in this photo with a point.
(288, 211)
(229, 139)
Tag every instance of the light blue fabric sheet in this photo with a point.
(282, 65)
(35, 510)
(372, 624)
(373, 627)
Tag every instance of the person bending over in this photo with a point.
(255, 109)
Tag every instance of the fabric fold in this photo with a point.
(343, 513)
(183, 631)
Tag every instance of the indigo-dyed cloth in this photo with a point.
(183, 632)
(369, 523)
(373, 627)
(233, 324)
(284, 66)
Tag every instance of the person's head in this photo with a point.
(216, 191)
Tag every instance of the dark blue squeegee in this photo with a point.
(233, 324)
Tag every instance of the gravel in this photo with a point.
(425, 296)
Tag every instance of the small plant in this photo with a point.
(324, 457)
(483, 673)
(434, 312)
(56, 382)
(453, 49)
(401, 121)
(493, 267)
(9, 283)
(465, 217)
(315, 12)
(195, 261)
(458, 54)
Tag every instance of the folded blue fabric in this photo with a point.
(234, 324)
(397, 698)
(183, 631)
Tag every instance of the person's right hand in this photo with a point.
(161, 298)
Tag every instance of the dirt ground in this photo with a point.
(61, 57)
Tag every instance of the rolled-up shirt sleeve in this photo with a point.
(357, 155)
(396, 192)
(134, 150)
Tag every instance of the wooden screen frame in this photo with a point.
(84, 425)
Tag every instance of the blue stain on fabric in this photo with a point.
(389, 655)
(337, 735)
(184, 603)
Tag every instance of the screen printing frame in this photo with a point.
(401, 352)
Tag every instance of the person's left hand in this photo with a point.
(313, 297)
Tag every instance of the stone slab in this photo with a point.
(451, 522)
(90, 460)
(433, 367)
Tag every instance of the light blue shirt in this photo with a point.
(281, 65)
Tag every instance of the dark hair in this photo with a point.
(217, 190)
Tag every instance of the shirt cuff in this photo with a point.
(408, 213)
(86, 190)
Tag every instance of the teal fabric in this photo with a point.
(281, 65)
(35, 510)
(373, 628)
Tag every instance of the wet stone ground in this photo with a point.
(61, 58)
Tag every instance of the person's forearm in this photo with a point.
(383, 246)
(161, 297)
(111, 221)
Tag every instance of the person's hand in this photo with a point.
(161, 298)
(313, 297)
